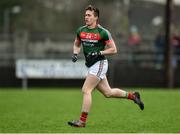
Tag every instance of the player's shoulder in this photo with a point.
(81, 28)
(102, 29)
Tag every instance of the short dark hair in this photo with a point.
(92, 8)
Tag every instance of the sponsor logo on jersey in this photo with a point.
(87, 40)
(90, 36)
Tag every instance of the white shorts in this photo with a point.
(99, 69)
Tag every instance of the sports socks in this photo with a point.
(130, 96)
(83, 117)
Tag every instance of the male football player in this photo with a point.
(97, 43)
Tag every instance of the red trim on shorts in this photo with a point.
(100, 68)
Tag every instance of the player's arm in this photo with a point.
(76, 49)
(76, 46)
(110, 44)
(110, 48)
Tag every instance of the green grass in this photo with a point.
(47, 111)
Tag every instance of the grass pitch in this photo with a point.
(48, 110)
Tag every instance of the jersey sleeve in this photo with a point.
(107, 36)
(78, 34)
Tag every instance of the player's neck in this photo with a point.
(94, 25)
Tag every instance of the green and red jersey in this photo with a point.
(93, 40)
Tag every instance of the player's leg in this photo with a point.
(107, 91)
(89, 84)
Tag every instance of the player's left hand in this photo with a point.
(74, 58)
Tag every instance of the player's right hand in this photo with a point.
(74, 58)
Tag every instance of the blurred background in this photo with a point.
(36, 37)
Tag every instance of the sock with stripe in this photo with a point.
(130, 96)
(83, 117)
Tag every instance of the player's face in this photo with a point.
(90, 19)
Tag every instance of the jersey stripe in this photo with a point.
(100, 68)
(109, 35)
(108, 41)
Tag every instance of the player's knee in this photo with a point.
(86, 91)
(108, 94)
